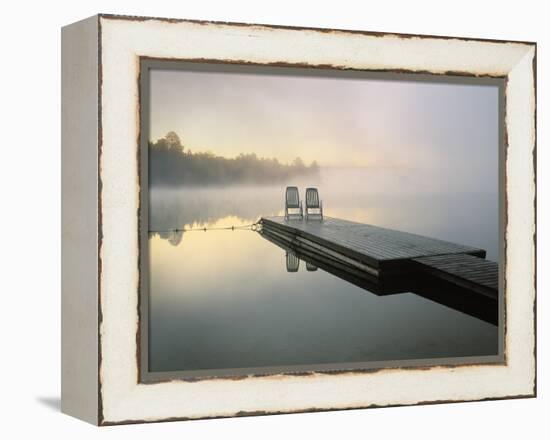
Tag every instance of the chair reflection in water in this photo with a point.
(310, 267)
(314, 206)
(293, 205)
(293, 263)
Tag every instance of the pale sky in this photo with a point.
(336, 121)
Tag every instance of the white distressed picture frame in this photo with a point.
(101, 203)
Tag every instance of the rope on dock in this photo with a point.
(250, 227)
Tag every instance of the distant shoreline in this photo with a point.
(171, 165)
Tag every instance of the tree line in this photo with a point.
(172, 165)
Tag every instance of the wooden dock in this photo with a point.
(387, 260)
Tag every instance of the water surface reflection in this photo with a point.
(231, 299)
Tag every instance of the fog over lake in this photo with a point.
(360, 194)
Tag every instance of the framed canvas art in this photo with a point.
(264, 219)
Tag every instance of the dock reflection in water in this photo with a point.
(445, 293)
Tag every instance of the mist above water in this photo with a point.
(377, 197)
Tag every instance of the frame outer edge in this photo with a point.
(79, 230)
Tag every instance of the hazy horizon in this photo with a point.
(442, 131)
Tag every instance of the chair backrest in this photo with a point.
(292, 197)
(312, 198)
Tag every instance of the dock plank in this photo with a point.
(464, 270)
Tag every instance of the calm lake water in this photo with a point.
(224, 299)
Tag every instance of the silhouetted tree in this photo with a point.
(298, 162)
(169, 164)
(173, 141)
